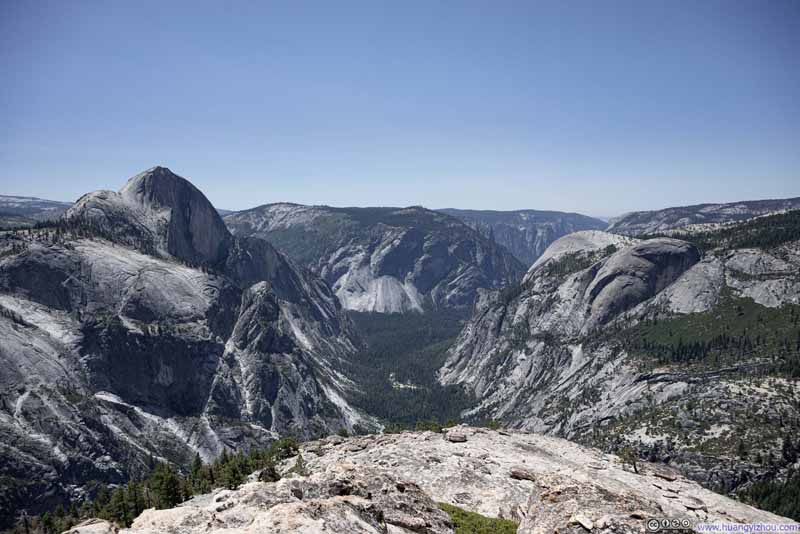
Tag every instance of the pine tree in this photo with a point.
(788, 451)
(300, 466)
(135, 499)
(117, 509)
(268, 472)
(232, 476)
(86, 510)
(102, 498)
(628, 456)
(741, 449)
(197, 466)
(165, 486)
(47, 524)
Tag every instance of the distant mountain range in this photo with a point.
(659, 221)
(526, 233)
(18, 211)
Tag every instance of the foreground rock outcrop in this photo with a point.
(391, 483)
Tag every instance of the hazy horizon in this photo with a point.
(436, 208)
(572, 107)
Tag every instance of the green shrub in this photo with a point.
(472, 523)
(432, 426)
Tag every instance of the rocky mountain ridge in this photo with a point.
(526, 233)
(384, 259)
(137, 326)
(394, 484)
(661, 221)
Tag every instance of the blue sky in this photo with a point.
(597, 107)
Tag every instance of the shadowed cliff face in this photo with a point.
(195, 231)
(138, 325)
(161, 212)
(636, 274)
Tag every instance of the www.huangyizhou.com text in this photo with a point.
(747, 527)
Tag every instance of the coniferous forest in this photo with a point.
(164, 487)
(399, 362)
